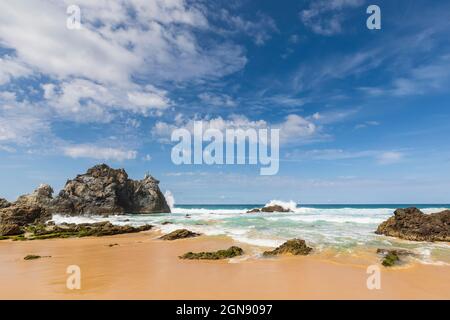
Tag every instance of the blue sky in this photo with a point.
(364, 114)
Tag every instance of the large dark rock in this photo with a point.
(4, 203)
(13, 218)
(413, 224)
(103, 190)
(295, 247)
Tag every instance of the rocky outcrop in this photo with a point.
(42, 196)
(274, 208)
(295, 247)
(4, 203)
(103, 190)
(17, 216)
(179, 234)
(412, 224)
(216, 255)
(71, 230)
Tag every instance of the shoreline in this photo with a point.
(142, 267)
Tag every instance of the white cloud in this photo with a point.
(367, 124)
(10, 68)
(325, 17)
(217, 100)
(93, 70)
(87, 101)
(380, 157)
(99, 153)
(20, 122)
(259, 30)
(390, 157)
(294, 129)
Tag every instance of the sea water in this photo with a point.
(342, 228)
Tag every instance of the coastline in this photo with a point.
(142, 267)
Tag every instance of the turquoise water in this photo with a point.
(339, 227)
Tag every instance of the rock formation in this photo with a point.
(295, 247)
(103, 190)
(42, 196)
(179, 234)
(72, 230)
(216, 255)
(4, 203)
(17, 216)
(413, 224)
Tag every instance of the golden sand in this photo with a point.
(142, 267)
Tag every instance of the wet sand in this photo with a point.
(142, 267)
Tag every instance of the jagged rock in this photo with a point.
(413, 224)
(217, 255)
(179, 234)
(392, 257)
(294, 247)
(22, 215)
(274, 208)
(103, 190)
(42, 196)
(4, 203)
(10, 229)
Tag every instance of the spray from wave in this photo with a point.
(291, 205)
(170, 199)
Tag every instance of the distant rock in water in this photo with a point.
(103, 190)
(295, 247)
(4, 203)
(274, 208)
(179, 234)
(412, 224)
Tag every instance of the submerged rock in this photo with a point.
(4, 203)
(179, 234)
(294, 247)
(413, 224)
(390, 260)
(392, 257)
(217, 255)
(103, 190)
(274, 208)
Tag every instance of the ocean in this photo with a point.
(341, 228)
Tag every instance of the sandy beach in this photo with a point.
(139, 266)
